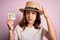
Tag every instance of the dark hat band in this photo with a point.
(31, 8)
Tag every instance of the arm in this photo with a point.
(12, 34)
(50, 34)
(10, 25)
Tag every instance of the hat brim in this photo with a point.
(22, 10)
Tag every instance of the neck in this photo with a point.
(30, 25)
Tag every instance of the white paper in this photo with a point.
(11, 16)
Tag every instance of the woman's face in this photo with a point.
(30, 16)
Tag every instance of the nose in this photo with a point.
(30, 14)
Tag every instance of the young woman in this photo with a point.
(30, 27)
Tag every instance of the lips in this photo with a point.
(29, 19)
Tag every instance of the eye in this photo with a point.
(27, 12)
(34, 12)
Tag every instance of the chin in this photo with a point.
(30, 22)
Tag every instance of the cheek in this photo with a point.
(34, 17)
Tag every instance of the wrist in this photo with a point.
(10, 31)
(46, 16)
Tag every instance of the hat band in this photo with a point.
(31, 8)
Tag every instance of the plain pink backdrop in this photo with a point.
(6, 6)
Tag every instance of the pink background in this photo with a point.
(6, 6)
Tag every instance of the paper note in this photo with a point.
(11, 16)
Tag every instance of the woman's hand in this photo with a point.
(43, 12)
(51, 34)
(10, 24)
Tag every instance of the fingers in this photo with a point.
(10, 24)
(45, 12)
(41, 11)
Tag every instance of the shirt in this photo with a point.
(28, 33)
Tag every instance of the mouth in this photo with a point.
(29, 19)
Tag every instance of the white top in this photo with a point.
(29, 33)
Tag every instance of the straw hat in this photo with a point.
(31, 5)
